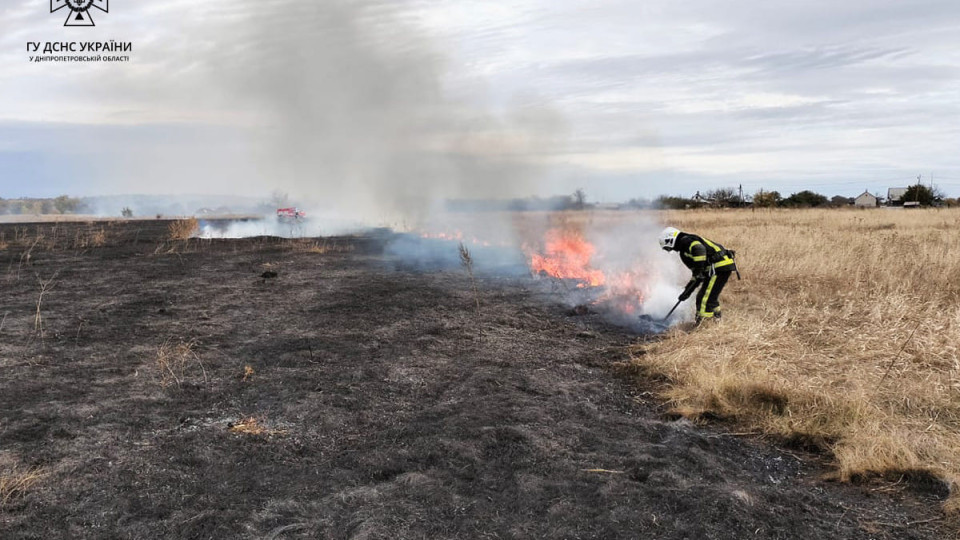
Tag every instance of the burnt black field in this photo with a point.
(385, 405)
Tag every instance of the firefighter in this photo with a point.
(710, 263)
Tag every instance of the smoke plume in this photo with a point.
(347, 105)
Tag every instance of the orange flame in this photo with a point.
(567, 256)
(626, 291)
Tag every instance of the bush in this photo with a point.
(922, 194)
(805, 199)
(767, 199)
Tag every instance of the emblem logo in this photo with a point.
(79, 10)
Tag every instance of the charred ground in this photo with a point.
(385, 407)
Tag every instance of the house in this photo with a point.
(700, 199)
(895, 195)
(865, 200)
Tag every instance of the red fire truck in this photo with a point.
(290, 215)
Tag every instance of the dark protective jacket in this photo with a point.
(699, 254)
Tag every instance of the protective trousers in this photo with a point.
(708, 299)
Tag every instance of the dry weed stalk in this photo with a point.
(835, 302)
(90, 238)
(175, 360)
(466, 260)
(183, 229)
(25, 256)
(45, 286)
(98, 238)
(15, 484)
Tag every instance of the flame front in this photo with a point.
(567, 256)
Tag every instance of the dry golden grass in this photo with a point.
(97, 238)
(183, 229)
(16, 483)
(253, 426)
(177, 362)
(248, 426)
(319, 247)
(810, 346)
(54, 237)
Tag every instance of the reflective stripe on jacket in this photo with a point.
(698, 253)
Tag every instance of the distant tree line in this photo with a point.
(59, 205)
(730, 198)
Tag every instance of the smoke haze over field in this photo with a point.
(340, 104)
(353, 116)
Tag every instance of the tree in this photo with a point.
(922, 194)
(675, 203)
(126, 212)
(724, 196)
(766, 199)
(579, 199)
(840, 200)
(31, 206)
(805, 198)
(65, 204)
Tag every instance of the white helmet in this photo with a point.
(668, 238)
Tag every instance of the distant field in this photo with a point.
(810, 346)
(83, 218)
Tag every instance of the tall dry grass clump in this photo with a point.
(16, 483)
(844, 335)
(183, 229)
(177, 363)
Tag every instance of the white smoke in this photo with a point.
(353, 118)
(631, 245)
(641, 282)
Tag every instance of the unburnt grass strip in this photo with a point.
(843, 336)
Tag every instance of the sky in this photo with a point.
(384, 104)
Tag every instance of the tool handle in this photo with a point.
(675, 306)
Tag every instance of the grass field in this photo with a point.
(843, 335)
(159, 387)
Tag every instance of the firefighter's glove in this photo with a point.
(692, 286)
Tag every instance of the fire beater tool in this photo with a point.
(692, 286)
